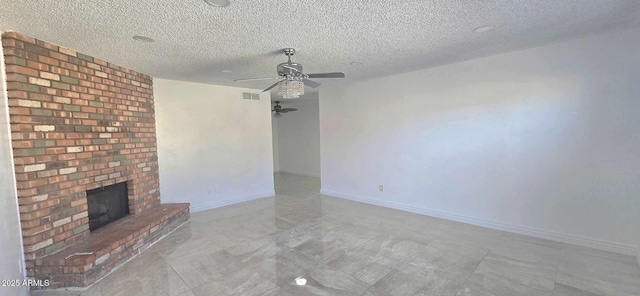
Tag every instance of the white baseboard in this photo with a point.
(235, 200)
(300, 173)
(554, 236)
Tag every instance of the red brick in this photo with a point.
(59, 56)
(49, 61)
(6, 42)
(53, 106)
(19, 111)
(60, 71)
(54, 136)
(121, 92)
(18, 36)
(37, 65)
(17, 94)
(21, 70)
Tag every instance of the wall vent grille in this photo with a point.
(250, 96)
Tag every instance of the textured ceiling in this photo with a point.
(194, 41)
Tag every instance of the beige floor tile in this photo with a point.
(598, 272)
(346, 248)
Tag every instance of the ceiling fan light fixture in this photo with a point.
(218, 3)
(292, 79)
(291, 88)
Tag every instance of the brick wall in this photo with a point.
(77, 123)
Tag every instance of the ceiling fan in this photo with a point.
(292, 78)
(279, 110)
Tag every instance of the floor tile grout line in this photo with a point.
(180, 276)
(555, 279)
(402, 263)
(285, 248)
(479, 262)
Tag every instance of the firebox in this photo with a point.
(107, 204)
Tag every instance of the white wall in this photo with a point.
(274, 138)
(543, 141)
(299, 137)
(214, 147)
(11, 253)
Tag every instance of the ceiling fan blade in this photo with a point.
(327, 75)
(270, 87)
(311, 83)
(289, 109)
(256, 79)
(291, 68)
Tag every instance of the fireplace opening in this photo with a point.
(107, 204)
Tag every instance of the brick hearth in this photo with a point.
(83, 263)
(80, 123)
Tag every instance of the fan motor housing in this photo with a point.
(282, 71)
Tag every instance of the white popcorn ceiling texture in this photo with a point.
(194, 41)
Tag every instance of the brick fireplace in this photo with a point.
(78, 124)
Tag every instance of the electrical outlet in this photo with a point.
(381, 188)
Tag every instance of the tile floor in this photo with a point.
(346, 248)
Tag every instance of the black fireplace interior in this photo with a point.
(107, 204)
